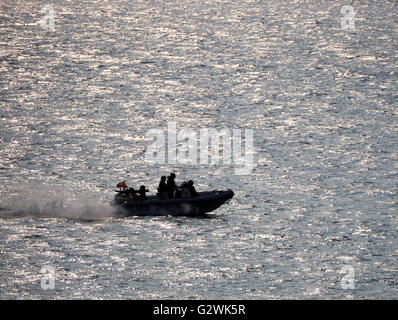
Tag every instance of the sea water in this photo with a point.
(83, 82)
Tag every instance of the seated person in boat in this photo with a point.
(191, 189)
(188, 190)
(162, 188)
(183, 191)
(131, 191)
(142, 193)
(178, 192)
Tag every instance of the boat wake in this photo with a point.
(56, 210)
(43, 203)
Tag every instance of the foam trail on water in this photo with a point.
(41, 201)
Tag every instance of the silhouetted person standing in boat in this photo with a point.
(162, 188)
(171, 185)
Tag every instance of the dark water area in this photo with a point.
(77, 102)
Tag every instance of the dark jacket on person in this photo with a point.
(171, 186)
(142, 192)
(192, 191)
(162, 186)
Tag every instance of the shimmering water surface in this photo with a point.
(77, 102)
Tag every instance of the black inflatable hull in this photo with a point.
(154, 206)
